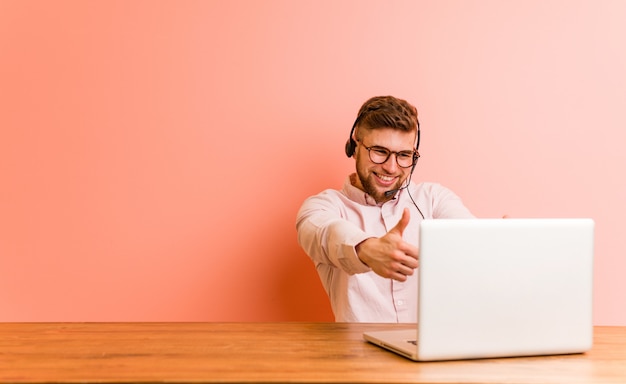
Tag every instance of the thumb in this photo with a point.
(404, 221)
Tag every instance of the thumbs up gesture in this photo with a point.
(390, 256)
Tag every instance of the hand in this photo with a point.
(390, 256)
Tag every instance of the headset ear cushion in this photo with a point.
(350, 146)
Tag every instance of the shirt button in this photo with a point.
(400, 302)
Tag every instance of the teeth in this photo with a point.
(385, 178)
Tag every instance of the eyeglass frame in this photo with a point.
(415, 153)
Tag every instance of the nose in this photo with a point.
(391, 164)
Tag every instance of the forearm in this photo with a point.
(329, 239)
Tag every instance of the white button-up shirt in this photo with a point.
(332, 223)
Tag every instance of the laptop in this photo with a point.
(500, 288)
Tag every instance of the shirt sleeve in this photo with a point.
(327, 237)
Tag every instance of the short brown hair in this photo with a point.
(387, 112)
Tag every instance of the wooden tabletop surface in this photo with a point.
(268, 353)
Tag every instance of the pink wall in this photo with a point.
(153, 154)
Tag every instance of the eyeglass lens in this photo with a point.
(379, 155)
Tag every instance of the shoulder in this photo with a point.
(430, 188)
(442, 202)
(327, 200)
(346, 196)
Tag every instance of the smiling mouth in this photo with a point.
(387, 180)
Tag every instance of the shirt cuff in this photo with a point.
(349, 260)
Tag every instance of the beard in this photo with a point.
(370, 188)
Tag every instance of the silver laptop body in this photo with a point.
(500, 288)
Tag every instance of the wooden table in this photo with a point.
(268, 353)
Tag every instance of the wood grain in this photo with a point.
(268, 353)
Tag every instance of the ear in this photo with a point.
(416, 157)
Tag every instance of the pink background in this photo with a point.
(153, 154)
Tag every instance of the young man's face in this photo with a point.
(376, 179)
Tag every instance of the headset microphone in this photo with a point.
(393, 191)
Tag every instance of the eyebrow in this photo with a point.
(405, 151)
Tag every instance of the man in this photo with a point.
(363, 239)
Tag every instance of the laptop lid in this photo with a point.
(501, 287)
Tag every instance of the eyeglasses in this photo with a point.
(379, 155)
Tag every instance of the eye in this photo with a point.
(380, 151)
(405, 155)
